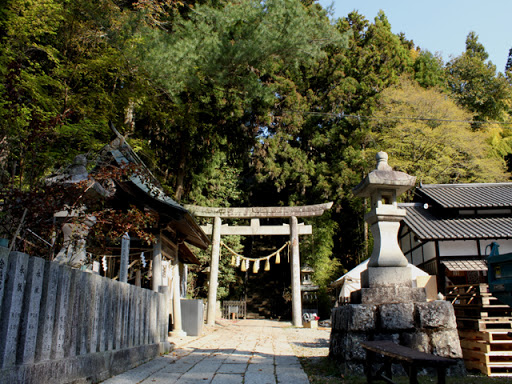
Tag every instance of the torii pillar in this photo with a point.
(294, 229)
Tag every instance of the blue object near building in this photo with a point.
(500, 274)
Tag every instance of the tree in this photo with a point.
(476, 86)
(508, 65)
(63, 77)
(222, 71)
(427, 135)
(319, 156)
(429, 70)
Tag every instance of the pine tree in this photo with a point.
(508, 65)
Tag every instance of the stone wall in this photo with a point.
(62, 325)
(425, 326)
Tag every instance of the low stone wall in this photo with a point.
(61, 325)
(426, 326)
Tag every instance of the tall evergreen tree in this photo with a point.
(322, 158)
(476, 86)
(223, 70)
(508, 65)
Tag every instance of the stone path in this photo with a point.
(243, 352)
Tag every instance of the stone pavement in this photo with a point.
(242, 352)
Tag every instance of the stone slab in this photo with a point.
(375, 277)
(85, 285)
(61, 313)
(291, 375)
(118, 316)
(12, 307)
(125, 304)
(100, 313)
(355, 317)
(388, 295)
(95, 367)
(136, 309)
(446, 343)
(396, 316)
(132, 313)
(223, 378)
(73, 323)
(107, 329)
(147, 310)
(4, 261)
(153, 320)
(94, 312)
(47, 315)
(436, 314)
(31, 309)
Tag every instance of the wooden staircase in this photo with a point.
(485, 329)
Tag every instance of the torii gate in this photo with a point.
(294, 229)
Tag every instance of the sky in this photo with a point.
(442, 26)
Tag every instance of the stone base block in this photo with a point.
(388, 295)
(89, 368)
(177, 334)
(424, 326)
(374, 277)
(354, 318)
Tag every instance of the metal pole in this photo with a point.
(125, 258)
(295, 269)
(214, 272)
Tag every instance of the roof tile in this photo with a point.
(429, 227)
(489, 195)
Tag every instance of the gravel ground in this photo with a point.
(308, 342)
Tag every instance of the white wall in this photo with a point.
(429, 250)
(458, 248)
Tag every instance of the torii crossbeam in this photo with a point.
(294, 229)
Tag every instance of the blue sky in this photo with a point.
(442, 26)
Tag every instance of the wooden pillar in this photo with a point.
(157, 265)
(214, 272)
(138, 278)
(295, 269)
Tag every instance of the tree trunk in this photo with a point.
(180, 177)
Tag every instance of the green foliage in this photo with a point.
(317, 250)
(439, 146)
(245, 103)
(62, 81)
(429, 70)
(221, 72)
(475, 84)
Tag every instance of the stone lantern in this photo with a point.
(388, 307)
(388, 276)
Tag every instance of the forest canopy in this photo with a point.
(246, 103)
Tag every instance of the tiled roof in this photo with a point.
(489, 195)
(426, 226)
(465, 265)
